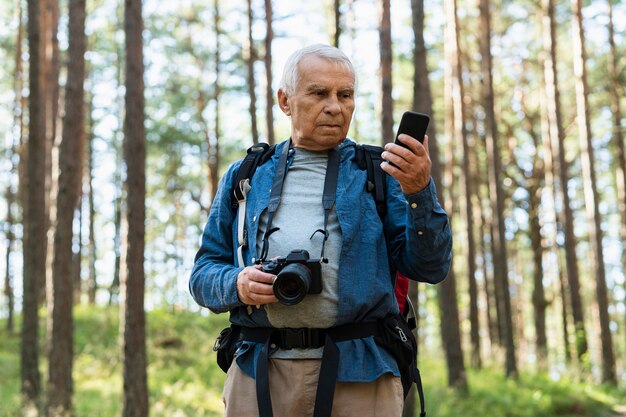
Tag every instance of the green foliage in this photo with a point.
(491, 394)
(184, 379)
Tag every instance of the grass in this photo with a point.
(184, 379)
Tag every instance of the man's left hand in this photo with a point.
(412, 166)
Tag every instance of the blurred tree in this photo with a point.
(71, 155)
(13, 157)
(50, 15)
(590, 190)
(617, 90)
(92, 282)
(269, 92)
(449, 311)
(132, 313)
(501, 280)
(335, 34)
(34, 211)
(561, 174)
(386, 58)
(251, 57)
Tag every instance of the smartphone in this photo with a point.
(413, 124)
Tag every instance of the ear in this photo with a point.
(283, 102)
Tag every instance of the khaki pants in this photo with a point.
(293, 385)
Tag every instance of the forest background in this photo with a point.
(117, 120)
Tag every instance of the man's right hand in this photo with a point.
(254, 286)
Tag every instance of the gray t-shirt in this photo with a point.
(299, 215)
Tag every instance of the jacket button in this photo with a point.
(413, 205)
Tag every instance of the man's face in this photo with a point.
(322, 105)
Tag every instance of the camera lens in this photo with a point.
(292, 284)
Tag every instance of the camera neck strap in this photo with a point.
(328, 197)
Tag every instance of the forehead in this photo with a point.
(325, 72)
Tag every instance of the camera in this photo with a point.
(296, 276)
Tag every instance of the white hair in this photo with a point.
(291, 72)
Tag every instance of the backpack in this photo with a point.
(368, 158)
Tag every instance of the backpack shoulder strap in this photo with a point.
(256, 155)
(368, 158)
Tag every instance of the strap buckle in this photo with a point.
(300, 338)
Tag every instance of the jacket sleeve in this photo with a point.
(213, 281)
(418, 233)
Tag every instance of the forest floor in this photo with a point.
(184, 379)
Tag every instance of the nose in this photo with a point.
(332, 105)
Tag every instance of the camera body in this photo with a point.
(296, 276)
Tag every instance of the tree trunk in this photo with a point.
(501, 278)
(465, 192)
(535, 214)
(269, 92)
(386, 56)
(449, 322)
(135, 396)
(119, 201)
(557, 140)
(590, 191)
(251, 57)
(336, 29)
(616, 90)
(60, 384)
(53, 130)
(34, 213)
(422, 102)
(11, 193)
(214, 154)
(92, 281)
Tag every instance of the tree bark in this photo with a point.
(497, 195)
(465, 193)
(449, 322)
(561, 168)
(133, 322)
(269, 92)
(214, 150)
(422, 102)
(92, 281)
(590, 191)
(617, 90)
(60, 384)
(534, 185)
(53, 130)
(34, 213)
(336, 29)
(251, 57)
(11, 193)
(386, 57)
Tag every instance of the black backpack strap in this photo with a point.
(257, 155)
(368, 159)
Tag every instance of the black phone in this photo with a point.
(413, 124)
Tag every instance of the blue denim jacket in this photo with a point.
(418, 232)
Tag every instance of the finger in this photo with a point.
(263, 299)
(262, 277)
(426, 144)
(394, 159)
(259, 288)
(412, 143)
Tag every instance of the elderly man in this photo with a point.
(314, 351)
